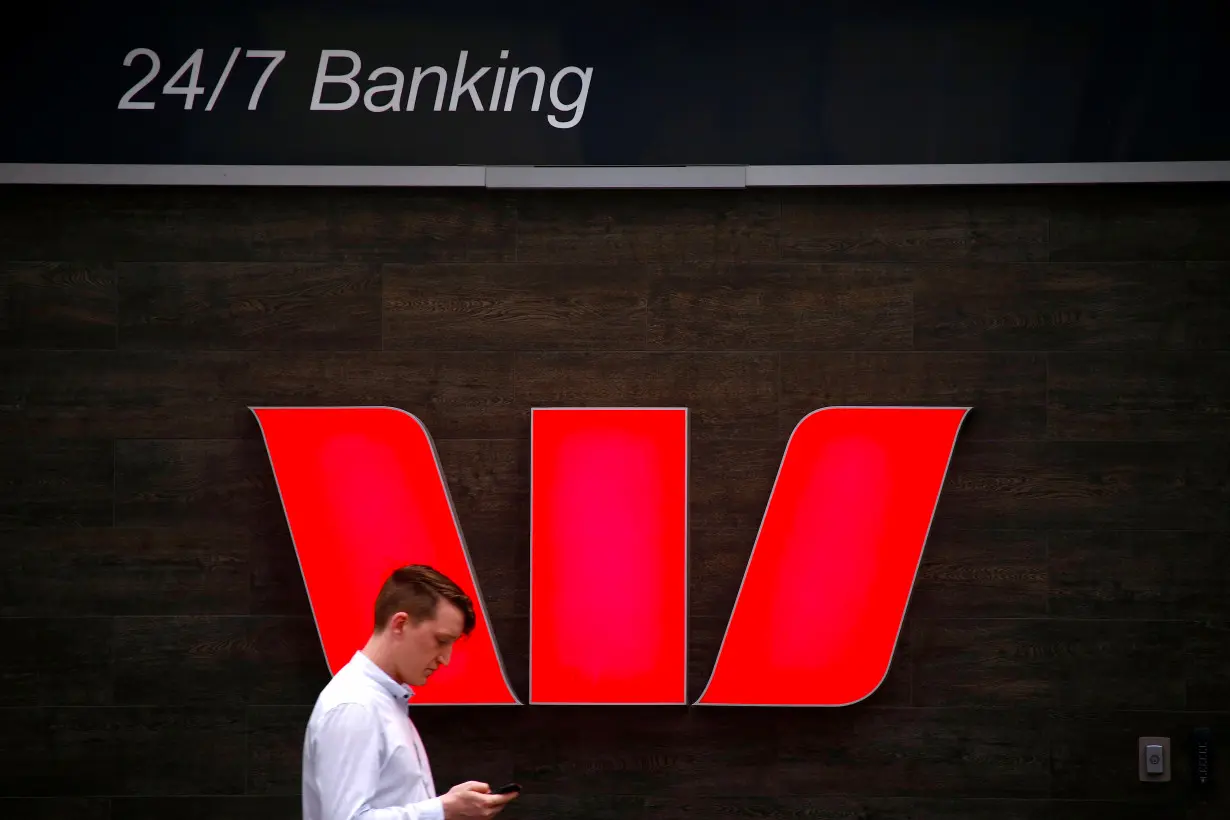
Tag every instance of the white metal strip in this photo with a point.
(404, 176)
(670, 177)
(1025, 173)
(618, 176)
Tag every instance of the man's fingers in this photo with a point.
(472, 786)
(493, 804)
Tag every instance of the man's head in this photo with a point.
(420, 614)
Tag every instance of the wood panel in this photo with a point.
(63, 751)
(607, 227)
(983, 574)
(844, 225)
(56, 662)
(1138, 574)
(108, 571)
(518, 306)
(1103, 224)
(207, 394)
(53, 482)
(57, 305)
(236, 306)
(247, 807)
(705, 752)
(1208, 285)
(1150, 396)
(161, 658)
(1105, 306)
(728, 395)
(259, 225)
(411, 227)
(787, 306)
(1077, 484)
(1006, 391)
(1067, 663)
(56, 808)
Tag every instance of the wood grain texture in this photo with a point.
(728, 395)
(1068, 664)
(1006, 392)
(1079, 484)
(414, 227)
(497, 307)
(157, 224)
(1183, 222)
(701, 752)
(56, 661)
(218, 660)
(591, 227)
(207, 394)
(512, 635)
(56, 808)
(1010, 225)
(729, 482)
(161, 658)
(52, 482)
(1112, 306)
(1138, 574)
(74, 752)
(850, 224)
(1208, 311)
(488, 482)
(609, 807)
(55, 305)
(275, 749)
(106, 571)
(276, 581)
(163, 661)
(220, 306)
(766, 306)
(1151, 396)
(982, 574)
(717, 559)
(245, 807)
(193, 482)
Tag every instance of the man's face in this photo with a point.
(423, 647)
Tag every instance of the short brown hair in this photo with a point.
(416, 590)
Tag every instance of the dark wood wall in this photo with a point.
(158, 656)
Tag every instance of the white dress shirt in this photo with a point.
(362, 757)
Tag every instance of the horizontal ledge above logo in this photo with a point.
(614, 177)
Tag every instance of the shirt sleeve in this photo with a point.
(348, 768)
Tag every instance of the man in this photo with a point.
(362, 757)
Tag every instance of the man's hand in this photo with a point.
(473, 799)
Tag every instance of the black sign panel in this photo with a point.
(349, 82)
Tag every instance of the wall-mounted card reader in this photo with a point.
(1202, 758)
(1153, 759)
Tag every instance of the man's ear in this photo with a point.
(399, 622)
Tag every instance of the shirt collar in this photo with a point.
(373, 672)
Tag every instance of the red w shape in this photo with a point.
(819, 611)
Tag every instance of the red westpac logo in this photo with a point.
(819, 610)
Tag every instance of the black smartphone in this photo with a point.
(508, 788)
